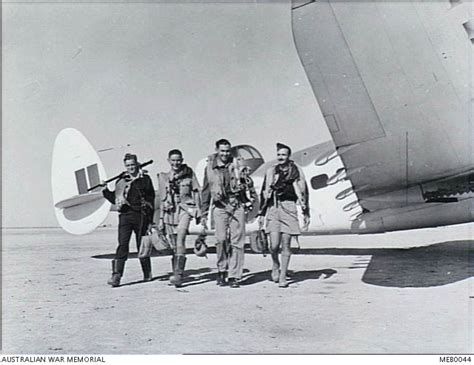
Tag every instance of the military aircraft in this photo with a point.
(393, 82)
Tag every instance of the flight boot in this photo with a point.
(146, 268)
(118, 266)
(178, 271)
(221, 278)
(173, 264)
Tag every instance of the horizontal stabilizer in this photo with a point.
(78, 200)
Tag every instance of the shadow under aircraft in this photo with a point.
(418, 267)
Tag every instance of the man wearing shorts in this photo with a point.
(180, 202)
(284, 185)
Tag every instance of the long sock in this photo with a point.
(275, 267)
(285, 261)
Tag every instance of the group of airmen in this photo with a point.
(227, 193)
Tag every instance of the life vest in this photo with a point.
(301, 187)
(122, 187)
(177, 191)
(216, 183)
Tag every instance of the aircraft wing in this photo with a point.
(392, 79)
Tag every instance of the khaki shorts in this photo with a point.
(184, 220)
(283, 218)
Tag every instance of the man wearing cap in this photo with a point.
(222, 194)
(180, 202)
(283, 187)
(134, 197)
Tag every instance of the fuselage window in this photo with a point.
(243, 153)
(319, 181)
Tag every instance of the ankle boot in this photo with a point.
(146, 268)
(118, 266)
(234, 283)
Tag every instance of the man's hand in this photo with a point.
(303, 205)
(204, 223)
(161, 226)
(103, 184)
(306, 222)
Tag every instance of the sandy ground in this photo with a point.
(408, 292)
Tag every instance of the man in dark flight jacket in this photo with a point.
(134, 197)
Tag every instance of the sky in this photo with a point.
(155, 76)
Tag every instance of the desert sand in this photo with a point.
(407, 292)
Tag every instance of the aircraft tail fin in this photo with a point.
(76, 167)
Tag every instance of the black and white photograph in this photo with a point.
(237, 177)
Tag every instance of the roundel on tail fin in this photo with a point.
(77, 167)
